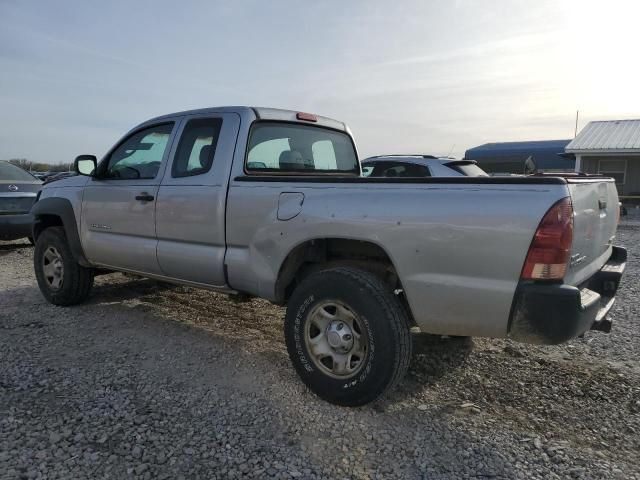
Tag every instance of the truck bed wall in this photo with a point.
(458, 248)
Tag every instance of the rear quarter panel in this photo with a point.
(458, 249)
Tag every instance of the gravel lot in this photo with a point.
(155, 381)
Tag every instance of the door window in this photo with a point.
(140, 155)
(197, 147)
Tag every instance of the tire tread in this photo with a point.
(395, 312)
(396, 317)
(78, 279)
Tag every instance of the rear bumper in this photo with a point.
(13, 227)
(554, 313)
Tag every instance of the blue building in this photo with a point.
(523, 157)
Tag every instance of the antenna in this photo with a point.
(575, 133)
(451, 151)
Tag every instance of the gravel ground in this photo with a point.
(155, 381)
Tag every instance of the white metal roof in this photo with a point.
(613, 136)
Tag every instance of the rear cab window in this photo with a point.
(291, 148)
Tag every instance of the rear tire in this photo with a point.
(61, 279)
(347, 335)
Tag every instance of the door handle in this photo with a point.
(144, 197)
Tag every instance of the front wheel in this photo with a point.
(61, 279)
(347, 336)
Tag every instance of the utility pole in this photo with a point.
(575, 133)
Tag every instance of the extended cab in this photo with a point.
(271, 203)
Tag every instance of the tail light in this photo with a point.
(550, 249)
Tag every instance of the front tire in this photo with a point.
(347, 336)
(61, 279)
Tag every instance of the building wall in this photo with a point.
(632, 175)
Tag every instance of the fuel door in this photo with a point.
(289, 205)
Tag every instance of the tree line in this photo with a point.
(40, 167)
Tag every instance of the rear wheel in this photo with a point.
(61, 279)
(347, 335)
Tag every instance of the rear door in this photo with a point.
(190, 213)
(118, 206)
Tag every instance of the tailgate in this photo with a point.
(596, 210)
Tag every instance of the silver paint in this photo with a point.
(458, 248)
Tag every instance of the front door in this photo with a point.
(118, 206)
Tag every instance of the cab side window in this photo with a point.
(197, 147)
(140, 155)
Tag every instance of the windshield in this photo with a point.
(11, 173)
(278, 147)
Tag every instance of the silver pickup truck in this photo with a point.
(271, 203)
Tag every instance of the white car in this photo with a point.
(419, 166)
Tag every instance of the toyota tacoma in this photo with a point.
(260, 202)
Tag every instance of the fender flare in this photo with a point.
(62, 209)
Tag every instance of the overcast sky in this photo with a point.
(407, 76)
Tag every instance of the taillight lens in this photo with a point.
(550, 249)
(307, 117)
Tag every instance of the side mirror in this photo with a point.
(85, 165)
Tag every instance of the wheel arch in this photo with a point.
(52, 212)
(326, 252)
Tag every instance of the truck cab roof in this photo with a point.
(261, 113)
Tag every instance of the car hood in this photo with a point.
(75, 181)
